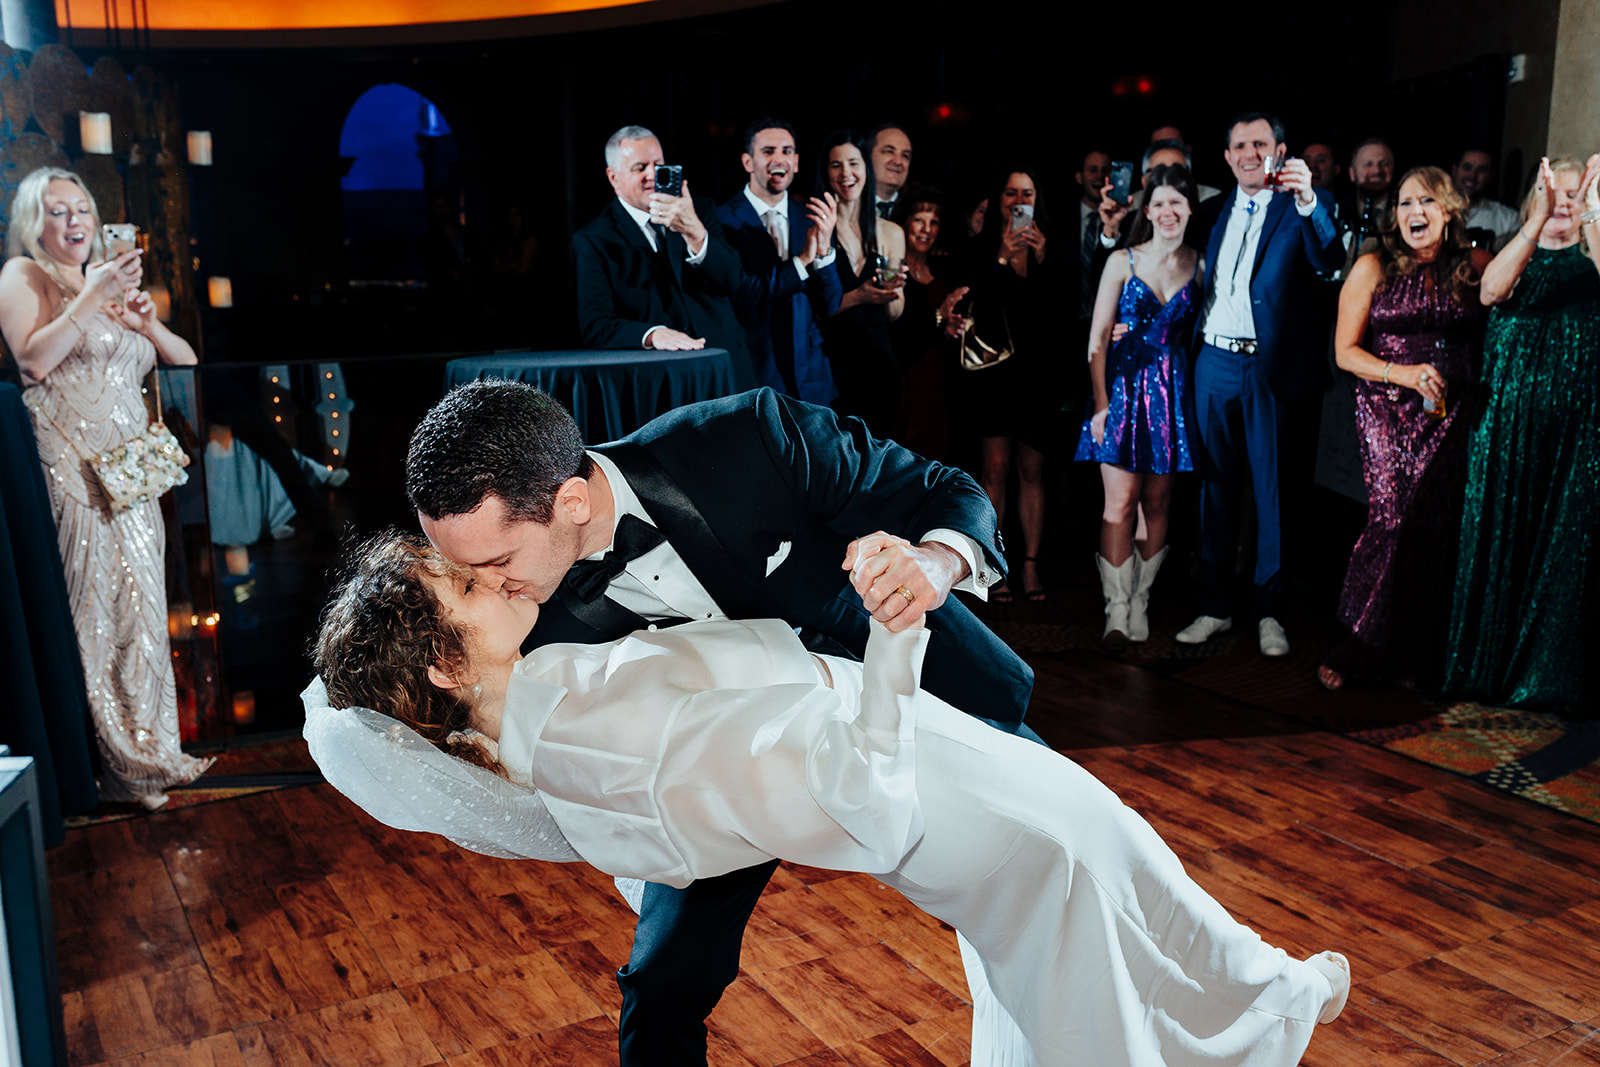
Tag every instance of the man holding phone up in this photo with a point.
(653, 270)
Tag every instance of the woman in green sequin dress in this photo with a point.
(1533, 481)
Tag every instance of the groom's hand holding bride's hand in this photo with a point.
(881, 565)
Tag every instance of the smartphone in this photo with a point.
(669, 180)
(120, 237)
(1021, 216)
(1119, 186)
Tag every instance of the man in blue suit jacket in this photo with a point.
(788, 280)
(743, 507)
(1254, 357)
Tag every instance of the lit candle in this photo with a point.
(220, 290)
(200, 148)
(94, 130)
(244, 707)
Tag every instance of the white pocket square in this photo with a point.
(778, 557)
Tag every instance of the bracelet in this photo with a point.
(1526, 238)
(1387, 367)
(1593, 215)
(74, 320)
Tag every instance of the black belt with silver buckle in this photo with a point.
(1246, 345)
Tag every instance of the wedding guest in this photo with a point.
(1010, 400)
(1518, 628)
(1265, 247)
(1408, 329)
(1139, 429)
(1473, 174)
(922, 349)
(84, 336)
(870, 267)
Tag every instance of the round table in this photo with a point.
(609, 393)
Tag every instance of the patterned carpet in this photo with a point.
(1541, 757)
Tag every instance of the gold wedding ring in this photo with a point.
(908, 594)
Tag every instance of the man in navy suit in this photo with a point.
(789, 281)
(653, 270)
(1254, 357)
(756, 505)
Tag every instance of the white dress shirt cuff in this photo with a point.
(644, 342)
(980, 576)
(1107, 242)
(816, 264)
(1305, 210)
(697, 258)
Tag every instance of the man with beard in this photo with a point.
(788, 280)
(1473, 174)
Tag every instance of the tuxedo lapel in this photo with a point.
(1218, 228)
(675, 515)
(634, 238)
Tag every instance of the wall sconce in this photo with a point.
(163, 301)
(94, 131)
(220, 291)
(200, 148)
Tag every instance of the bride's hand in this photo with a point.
(899, 582)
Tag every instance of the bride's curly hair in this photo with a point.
(1454, 264)
(381, 631)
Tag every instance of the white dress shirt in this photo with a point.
(659, 584)
(646, 227)
(1228, 313)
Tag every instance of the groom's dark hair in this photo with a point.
(494, 438)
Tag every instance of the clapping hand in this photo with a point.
(823, 211)
(954, 325)
(1544, 196)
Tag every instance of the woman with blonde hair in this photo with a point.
(1408, 329)
(1517, 630)
(84, 336)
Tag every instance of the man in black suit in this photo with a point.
(752, 506)
(653, 271)
(789, 281)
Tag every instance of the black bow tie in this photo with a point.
(588, 578)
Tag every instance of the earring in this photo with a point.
(477, 690)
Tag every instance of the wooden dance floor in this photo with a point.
(288, 928)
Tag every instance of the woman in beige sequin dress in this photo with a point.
(84, 336)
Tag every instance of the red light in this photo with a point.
(1144, 85)
(1119, 89)
(944, 111)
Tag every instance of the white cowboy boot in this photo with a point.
(1144, 576)
(1116, 584)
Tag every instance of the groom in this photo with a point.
(753, 506)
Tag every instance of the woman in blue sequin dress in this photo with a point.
(1409, 329)
(1139, 429)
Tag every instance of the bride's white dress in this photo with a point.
(709, 747)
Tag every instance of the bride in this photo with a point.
(692, 751)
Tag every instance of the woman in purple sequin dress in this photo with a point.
(1138, 430)
(1410, 328)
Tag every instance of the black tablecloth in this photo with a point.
(609, 393)
(44, 711)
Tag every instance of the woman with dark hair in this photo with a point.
(704, 748)
(872, 254)
(1138, 430)
(1528, 532)
(1409, 326)
(921, 345)
(84, 335)
(1011, 400)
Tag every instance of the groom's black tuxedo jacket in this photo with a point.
(624, 288)
(732, 481)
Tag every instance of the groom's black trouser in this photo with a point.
(686, 952)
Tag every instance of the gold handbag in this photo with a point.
(976, 353)
(140, 469)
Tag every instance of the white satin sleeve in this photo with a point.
(863, 771)
(398, 778)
